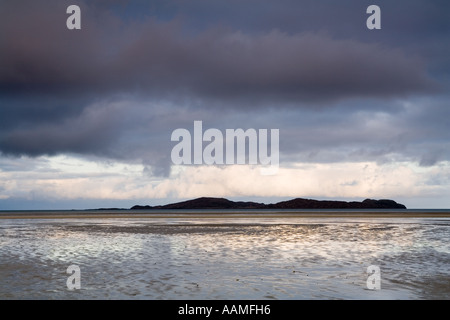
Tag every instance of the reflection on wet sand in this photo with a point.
(278, 258)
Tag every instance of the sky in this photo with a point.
(86, 115)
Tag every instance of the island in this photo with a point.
(298, 203)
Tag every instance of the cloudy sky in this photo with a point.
(86, 115)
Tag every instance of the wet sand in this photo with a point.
(229, 258)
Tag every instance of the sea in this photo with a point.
(256, 255)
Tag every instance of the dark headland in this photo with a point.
(298, 203)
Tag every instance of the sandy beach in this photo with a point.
(224, 256)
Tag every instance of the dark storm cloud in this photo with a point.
(41, 55)
(59, 88)
(56, 139)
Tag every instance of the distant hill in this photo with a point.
(298, 203)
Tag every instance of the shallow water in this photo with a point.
(225, 258)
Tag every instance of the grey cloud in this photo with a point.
(417, 132)
(58, 88)
(158, 58)
(428, 159)
(85, 134)
(124, 130)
